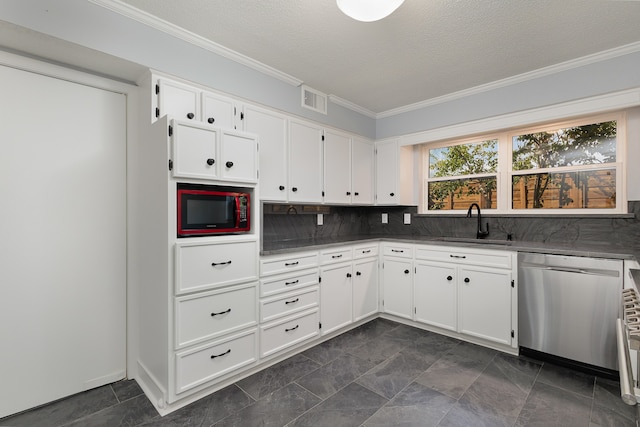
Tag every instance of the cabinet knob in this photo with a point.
(449, 278)
(406, 272)
(294, 189)
(281, 187)
(190, 116)
(349, 275)
(392, 194)
(210, 162)
(466, 280)
(210, 120)
(348, 193)
(229, 164)
(356, 194)
(358, 273)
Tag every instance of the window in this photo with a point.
(562, 168)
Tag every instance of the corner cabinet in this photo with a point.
(397, 280)
(305, 162)
(394, 174)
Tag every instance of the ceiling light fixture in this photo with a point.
(368, 10)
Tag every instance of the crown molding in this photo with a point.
(166, 27)
(520, 78)
(351, 106)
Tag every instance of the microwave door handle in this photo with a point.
(237, 200)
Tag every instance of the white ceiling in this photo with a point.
(424, 50)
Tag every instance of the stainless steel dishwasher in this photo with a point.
(568, 307)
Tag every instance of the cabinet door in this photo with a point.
(362, 166)
(365, 288)
(337, 168)
(178, 100)
(435, 295)
(387, 173)
(238, 157)
(397, 281)
(485, 303)
(335, 297)
(305, 162)
(218, 110)
(194, 150)
(271, 129)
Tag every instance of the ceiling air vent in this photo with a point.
(314, 100)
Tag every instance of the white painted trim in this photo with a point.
(520, 78)
(597, 104)
(129, 11)
(351, 106)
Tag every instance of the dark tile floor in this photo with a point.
(379, 374)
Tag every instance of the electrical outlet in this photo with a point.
(320, 219)
(385, 218)
(407, 218)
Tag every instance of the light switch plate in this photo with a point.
(320, 219)
(385, 218)
(407, 218)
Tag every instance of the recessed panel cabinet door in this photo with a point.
(218, 111)
(335, 297)
(387, 173)
(362, 177)
(305, 162)
(271, 129)
(194, 151)
(179, 101)
(238, 157)
(337, 168)
(365, 288)
(397, 279)
(435, 295)
(485, 303)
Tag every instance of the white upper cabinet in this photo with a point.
(177, 100)
(394, 174)
(271, 129)
(238, 156)
(219, 111)
(362, 171)
(194, 148)
(305, 162)
(337, 168)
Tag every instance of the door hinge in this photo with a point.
(323, 194)
(170, 130)
(157, 89)
(320, 325)
(241, 115)
(383, 303)
(415, 310)
(319, 279)
(323, 137)
(258, 174)
(170, 164)
(157, 112)
(513, 333)
(415, 270)
(513, 283)
(235, 113)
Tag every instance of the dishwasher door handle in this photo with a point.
(592, 271)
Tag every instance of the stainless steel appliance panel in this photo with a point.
(568, 307)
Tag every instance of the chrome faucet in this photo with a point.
(480, 234)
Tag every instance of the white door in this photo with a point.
(435, 295)
(397, 282)
(387, 173)
(179, 101)
(362, 167)
(63, 228)
(218, 111)
(194, 150)
(271, 129)
(337, 168)
(335, 297)
(305, 162)
(238, 157)
(365, 288)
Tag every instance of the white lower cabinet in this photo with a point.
(485, 303)
(397, 287)
(336, 297)
(285, 333)
(365, 288)
(436, 294)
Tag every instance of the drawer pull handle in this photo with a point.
(292, 302)
(336, 256)
(289, 264)
(222, 312)
(213, 264)
(397, 250)
(458, 256)
(292, 329)
(213, 356)
(367, 251)
(291, 283)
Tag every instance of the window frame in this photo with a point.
(505, 171)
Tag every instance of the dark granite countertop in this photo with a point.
(594, 250)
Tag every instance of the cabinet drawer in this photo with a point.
(278, 265)
(335, 255)
(205, 363)
(402, 251)
(285, 333)
(211, 314)
(365, 251)
(288, 282)
(486, 257)
(207, 266)
(273, 308)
